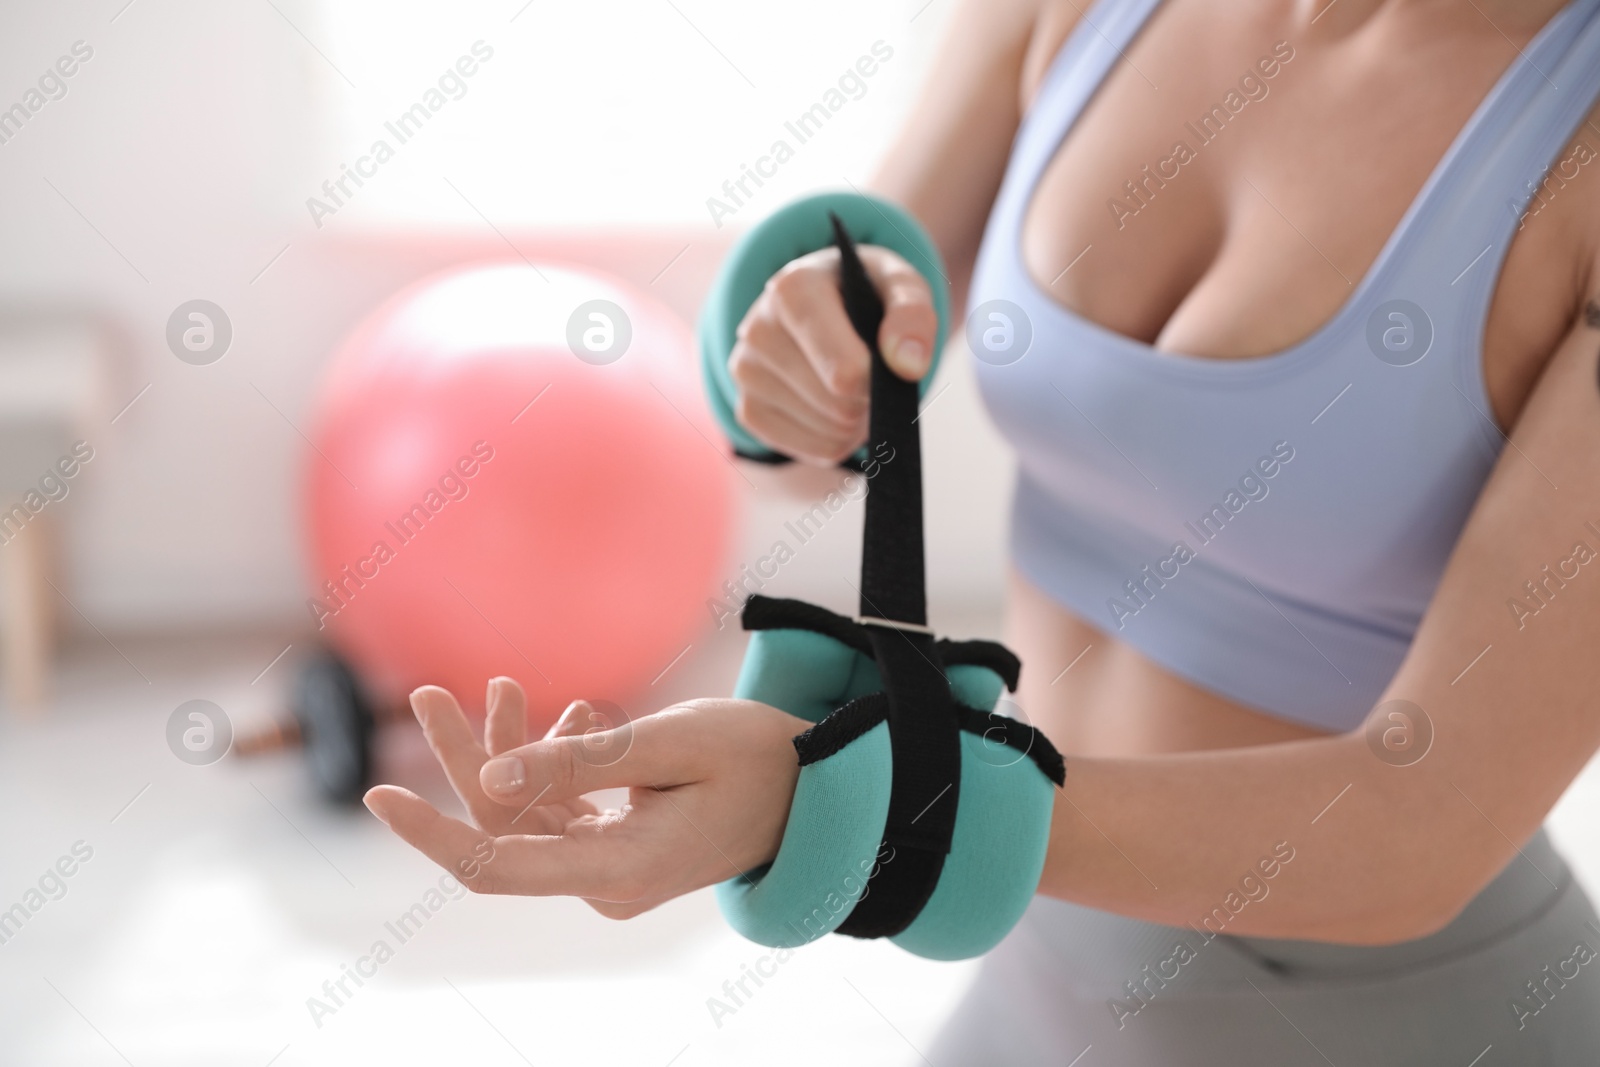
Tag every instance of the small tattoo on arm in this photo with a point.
(1591, 317)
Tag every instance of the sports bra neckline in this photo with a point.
(1326, 335)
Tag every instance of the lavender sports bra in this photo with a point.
(1271, 529)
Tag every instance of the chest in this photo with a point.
(1229, 183)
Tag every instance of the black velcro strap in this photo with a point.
(901, 883)
(893, 581)
(783, 613)
(903, 879)
(924, 729)
(924, 743)
(854, 719)
(778, 459)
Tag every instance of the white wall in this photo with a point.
(190, 141)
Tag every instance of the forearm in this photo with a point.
(953, 214)
(1313, 840)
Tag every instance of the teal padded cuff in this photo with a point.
(834, 674)
(830, 845)
(996, 858)
(789, 233)
(833, 839)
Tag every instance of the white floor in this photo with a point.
(222, 897)
(218, 899)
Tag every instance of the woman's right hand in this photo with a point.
(803, 374)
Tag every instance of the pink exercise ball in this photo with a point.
(513, 473)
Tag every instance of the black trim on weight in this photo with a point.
(991, 654)
(839, 728)
(855, 719)
(784, 613)
(1026, 739)
(772, 459)
(777, 459)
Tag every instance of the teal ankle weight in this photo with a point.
(786, 235)
(920, 814)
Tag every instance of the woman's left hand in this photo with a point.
(710, 782)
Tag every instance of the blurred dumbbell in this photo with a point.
(334, 721)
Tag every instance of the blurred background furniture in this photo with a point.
(50, 387)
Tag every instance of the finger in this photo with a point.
(776, 428)
(763, 377)
(539, 816)
(768, 361)
(659, 751)
(571, 721)
(589, 864)
(910, 324)
(383, 800)
(553, 818)
(547, 818)
(765, 385)
(505, 724)
(451, 843)
(808, 305)
(457, 750)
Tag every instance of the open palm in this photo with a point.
(710, 783)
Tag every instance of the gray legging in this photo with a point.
(1514, 981)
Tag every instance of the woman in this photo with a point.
(1257, 292)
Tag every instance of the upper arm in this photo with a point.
(946, 163)
(1510, 681)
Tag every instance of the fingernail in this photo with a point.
(376, 813)
(503, 775)
(574, 709)
(908, 355)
